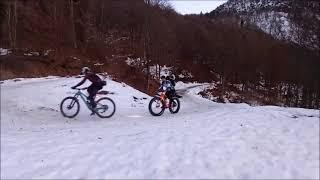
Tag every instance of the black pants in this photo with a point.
(170, 94)
(92, 90)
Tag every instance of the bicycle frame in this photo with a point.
(163, 98)
(161, 94)
(83, 97)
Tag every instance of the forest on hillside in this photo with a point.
(237, 58)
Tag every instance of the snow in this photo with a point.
(185, 74)
(275, 17)
(4, 52)
(204, 140)
(249, 5)
(164, 70)
(268, 22)
(192, 88)
(135, 62)
(75, 58)
(32, 54)
(47, 52)
(99, 64)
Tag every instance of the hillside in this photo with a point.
(40, 38)
(290, 20)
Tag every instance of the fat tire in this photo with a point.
(150, 107)
(77, 106)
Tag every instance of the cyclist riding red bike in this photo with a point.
(166, 97)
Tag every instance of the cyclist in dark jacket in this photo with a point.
(96, 85)
(166, 86)
(172, 80)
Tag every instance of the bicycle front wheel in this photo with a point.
(70, 107)
(105, 107)
(156, 107)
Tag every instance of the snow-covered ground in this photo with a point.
(154, 69)
(4, 52)
(204, 140)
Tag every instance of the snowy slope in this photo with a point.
(204, 140)
(291, 20)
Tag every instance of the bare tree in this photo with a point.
(147, 42)
(12, 22)
(74, 37)
(9, 23)
(15, 25)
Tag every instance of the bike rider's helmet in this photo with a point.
(85, 70)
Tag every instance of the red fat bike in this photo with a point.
(160, 102)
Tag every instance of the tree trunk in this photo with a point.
(297, 96)
(146, 44)
(159, 71)
(318, 99)
(304, 96)
(10, 25)
(56, 24)
(73, 24)
(55, 11)
(102, 17)
(15, 25)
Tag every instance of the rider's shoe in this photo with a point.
(92, 113)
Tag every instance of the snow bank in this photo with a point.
(98, 64)
(138, 62)
(164, 70)
(32, 54)
(204, 140)
(4, 52)
(185, 74)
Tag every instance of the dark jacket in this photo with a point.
(172, 82)
(95, 79)
(166, 84)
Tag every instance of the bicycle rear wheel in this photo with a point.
(174, 105)
(69, 107)
(105, 107)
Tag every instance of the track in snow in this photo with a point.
(204, 140)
